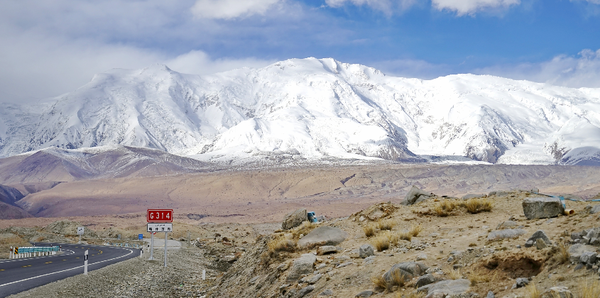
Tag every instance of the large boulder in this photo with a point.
(416, 195)
(302, 265)
(407, 271)
(595, 209)
(323, 236)
(294, 219)
(446, 287)
(542, 207)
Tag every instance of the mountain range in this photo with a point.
(312, 109)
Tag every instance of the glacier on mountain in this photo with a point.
(314, 109)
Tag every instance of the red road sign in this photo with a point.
(159, 215)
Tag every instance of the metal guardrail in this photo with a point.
(32, 251)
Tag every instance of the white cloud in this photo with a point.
(411, 68)
(198, 62)
(582, 70)
(470, 7)
(386, 6)
(229, 9)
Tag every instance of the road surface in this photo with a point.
(19, 275)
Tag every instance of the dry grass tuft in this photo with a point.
(563, 254)
(303, 229)
(386, 224)
(282, 244)
(444, 207)
(379, 282)
(482, 276)
(405, 235)
(369, 230)
(589, 288)
(532, 291)
(455, 274)
(477, 205)
(415, 230)
(381, 242)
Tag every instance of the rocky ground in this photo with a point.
(474, 253)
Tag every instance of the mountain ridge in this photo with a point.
(314, 109)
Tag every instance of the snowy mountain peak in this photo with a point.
(314, 108)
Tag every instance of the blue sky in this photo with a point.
(52, 47)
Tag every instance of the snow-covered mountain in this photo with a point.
(314, 109)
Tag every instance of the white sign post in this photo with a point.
(80, 231)
(151, 246)
(159, 220)
(166, 248)
(85, 262)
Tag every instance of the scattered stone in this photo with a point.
(576, 236)
(542, 207)
(294, 219)
(490, 294)
(576, 250)
(324, 235)
(446, 287)
(253, 280)
(327, 292)
(416, 195)
(521, 282)
(302, 265)
(540, 244)
(305, 290)
(579, 267)
(366, 250)
(421, 257)
(365, 294)
(369, 260)
(529, 243)
(539, 234)
(595, 209)
(505, 234)
(344, 265)
(425, 280)
(315, 279)
(588, 257)
(509, 224)
(557, 292)
(407, 270)
(327, 249)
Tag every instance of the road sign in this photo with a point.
(140, 236)
(160, 227)
(159, 215)
(80, 230)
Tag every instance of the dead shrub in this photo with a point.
(415, 230)
(405, 235)
(396, 280)
(379, 282)
(386, 224)
(477, 205)
(563, 254)
(445, 207)
(303, 229)
(282, 243)
(454, 274)
(369, 230)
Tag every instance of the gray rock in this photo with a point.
(490, 294)
(529, 243)
(314, 279)
(505, 234)
(366, 250)
(294, 219)
(539, 234)
(595, 209)
(579, 267)
(576, 250)
(509, 224)
(576, 236)
(447, 287)
(323, 236)
(557, 292)
(542, 207)
(344, 264)
(425, 280)
(499, 193)
(327, 249)
(369, 260)
(407, 270)
(415, 195)
(328, 292)
(365, 294)
(305, 290)
(521, 282)
(588, 257)
(302, 265)
(540, 243)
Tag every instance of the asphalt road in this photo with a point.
(19, 275)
